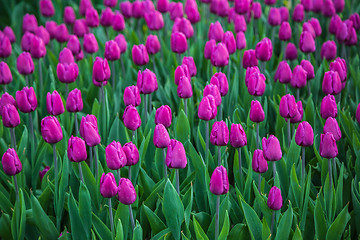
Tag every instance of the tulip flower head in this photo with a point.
(131, 118)
(89, 130)
(108, 187)
(256, 112)
(76, 150)
(219, 134)
(271, 148)
(11, 162)
(51, 130)
(115, 156)
(304, 135)
(259, 164)
(219, 182)
(176, 156)
(163, 116)
(161, 136)
(132, 154)
(26, 99)
(328, 148)
(332, 126)
(275, 200)
(126, 192)
(237, 136)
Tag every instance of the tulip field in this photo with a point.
(194, 119)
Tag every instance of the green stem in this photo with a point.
(272, 222)
(76, 124)
(113, 75)
(303, 166)
(219, 155)
(257, 136)
(111, 216)
(129, 173)
(207, 144)
(165, 168)
(289, 132)
(330, 175)
(240, 166)
(81, 173)
(13, 138)
(16, 188)
(91, 159)
(217, 217)
(56, 185)
(185, 106)
(118, 173)
(96, 164)
(274, 169)
(177, 181)
(131, 218)
(259, 183)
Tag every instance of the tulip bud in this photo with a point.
(308, 67)
(67, 73)
(213, 90)
(285, 31)
(284, 14)
(108, 187)
(271, 148)
(242, 6)
(5, 46)
(291, 52)
(328, 107)
(229, 42)
(249, 72)
(193, 14)
(11, 162)
(176, 157)
(51, 130)
(54, 104)
(339, 66)
(5, 73)
(219, 182)
(287, 106)
(147, 82)
(76, 150)
(259, 164)
(304, 135)
(240, 23)
(162, 6)
(79, 56)
(332, 126)
(249, 59)
(334, 24)
(106, 18)
(148, 6)
(184, 89)
(154, 20)
(256, 112)
(275, 200)
(140, 55)
(132, 154)
(189, 62)
(69, 15)
(163, 116)
(237, 136)
(74, 45)
(240, 40)
(358, 113)
(118, 22)
(219, 7)
(256, 84)
(89, 130)
(307, 42)
(274, 18)
(355, 18)
(25, 64)
(11, 35)
(46, 8)
(26, 42)
(299, 77)
(131, 118)
(270, 2)
(62, 33)
(126, 9)
(66, 56)
(216, 32)
(92, 17)
(126, 192)
(161, 136)
(121, 41)
(101, 70)
(44, 35)
(207, 108)
(256, 8)
(298, 13)
(26, 99)
(219, 79)
(339, 5)
(328, 148)
(219, 134)
(299, 113)
(317, 6)
(43, 172)
(51, 27)
(209, 48)
(132, 96)
(175, 10)
(80, 28)
(328, 8)
(74, 102)
(83, 6)
(90, 44)
(331, 83)
(29, 23)
(183, 25)
(220, 56)
(316, 25)
(115, 156)
(263, 50)
(112, 50)
(283, 73)
(178, 42)
(10, 116)
(6, 99)
(152, 44)
(307, 27)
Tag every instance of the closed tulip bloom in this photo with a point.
(43, 172)
(189, 62)
(175, 10)
(79, 56)
(110, 3)
(242, 6)
(316, 25)
(69, 15)
(331, 83)
(161, 136)
(121, 41)
(299, 77)
(256, 8)
(285, 31)
(291, 52)
(334, 24)
(355, 18)
(5, 73)
(257, 113)
(249, 59)
(80, 28)
(219, 79)
(184, 89)
(240, 23)
(147, 82)
(328, 8)
(26, 42)
(178, 42)
(299, 113)
(249, 72)
(219, 7)
(163, 116)
(193, 14)
(332, 126)
(256, 84)
(358, 113)
(216, 32)
(118, 22)
(339, 66)
(90, 44)
(342, 32)
(11, 35)
(162, 6)
(108, 187)
(307, 42)
(6, 99)
(140, 55)
(275, 200)
(154, 20)
(240, 40)
(67, 73)
(92, 17)
(101, 70)
(181, 71)
(298, 13)
(270, 2)
(219, 182)
(62, 33)
(304, 135)
(83, 6)
(213, 90)
(339, 5)
(237, 136)
(46, 8)
(106, 18)
(219, 134)
(89, 130)
(112, 51)
(259, 164)
(74, 45)
(317, 6)
(51, 130)
(54, 104)
(51, 27)
(307, 27)
(307, 5)
(152, 44)
(283, 73)
(274, 18)
(131, 118)
(209, 48)
(328, 107)
(263, 50)
(132, 96)
(25, 64)
(126, 9)
(207, 108)
(328, 50)
(176, 156)
(132, 154)
(220, 56)
(5, 46)
(29, 23)
(126, 192)
(328, 148)
(271, 148)
(11, 162)
(42, 33)
(10, 116)
(76, 150)
(229, 42)
(26, 100)
(115, 156)
(183, 25)
(74, 102)
(287, 106)
(284, 14)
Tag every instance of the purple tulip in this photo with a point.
(83, 6)
(270, 2)
(90, 44)
(213, 90)
(140, 55)
(316, 25)
(51, 27)
(299, 77)
(271, 148)
(26, 100)
(115, 156)
(357, 115)
(43, 172)
(219, 182)
(43, 34)
(298, 13)
(240, 23)
(216, 32)
(263, 50)
(207, 108)
(176, 156)
(181, 71)
(121, 41)
(118, 22)
(249, 72)
(237, 136)
(67, 73)
(189, 62)
(274, 18)
(339, 5)
(331, 83)
(162, 6)
(132, 154)
(46, 8)
(126, 192)
(5, 73)
(328, 8)
(291, 52)
(256, 112)
(283, 73)
(308, 67)
(259, 164)
(131, 118)
(51, 130)
(26, 42)
(328, 107)
(275, 200)
(147, 82)
(209, 48)
(11, 35)
(339, 66)
(91, 17)
(112, 51)
(126, 9)
(242, 6)
(220, 56)
(154, 20)
(80, 28)
(183, 25)
(132, 96)
(256, 84)
(11, 162)
(54, 104)
(175, 10)
(178, 42)
(257, 11)
(317, 6)
(101, 70)
(287, 106)
(332, 126)
(69, 15)
(89, 130)
(161, 137)
(152, 44)
(6, 99)
(76, 150)
(304, 135)
(219, 79)
(284, 14)
(249, 59)
(299, 113)
(25, 64)
(10, 116)
(328, 148)
(62, 33)
(163, 116)
(184, 89)
(29, 23)
(240, 40)
(219, 134)
(106, 18)
(355, 18)
(74, 102)
(307, 42)
(285, 31)
(74, 45)
(229, 42)
(108, 187)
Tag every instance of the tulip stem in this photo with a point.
(259, 183)
(66, 90)
(96, 164)
(81, 173)
(122, 67)
(185, 106)
(228, 69)
(16, 188)
(286, 89)
(274, 170)
(309, 88)
(113, 75)
(297, 94)
(240, 166)
(334, 169)
(27, 80)
(131, 218)
(150, 105)
(76, 124)
(40, 75)
(330, 175)
(220, 111)
(177, 181)
(272, 222)
(257, 136)
(91, 160)
(5, 90)
(129, 173)
(289, 132)
(219, 155)
(145, 106)
(165, 168)
(13, 138)
(217, 217)
(178, 58)
(111, 216)
(303, 165)
(56, 185)
(118, 173)
(207, 143)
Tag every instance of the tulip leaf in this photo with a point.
(283, 229)
(138, 232)
(5, 204)
(226, 227)
(200, 234)
(100, 228)
(63, 185)
(85, 208)
(119, 231)
(182, 127)
(155, 222)
(77, 227)
(337, 228)
(173, 210)
(164, 234)
(252, 221)
(319, 219)
(122, 213)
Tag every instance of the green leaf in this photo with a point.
(155, 222)
(337, 228)
(138, 233)
(119, 231)
(319, 219)
(297, 234)
(199, 232)
(77, 227)
(226, 227)
(284, 227)
(173, 210)
(182, 127)
(100, 228)
(252, 220)
(85, 208)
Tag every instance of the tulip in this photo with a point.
(43, 34)
(299, 113)
(76, 150)
(10, 116)
(219, 7)
(207, 108)
(80, 28)
(307, 42)
(275, 201)
(43, 172)
(67, 73)
(51, 27)
(91, 17)
(83, 6)
(213, 90)
(101, 70)
(26, 100)
(317, 6)
(54, 104)
(132, 154)
(240, 41)
(46, 8)
(240, 23)
(328, 107)
(220, 56)
(259, 164)
(5, 46)
(339, 66)
(115, 156)
(79, 56)
(29, 23)
(332, 126)
(118, 22)
(74, 102)
(219, 134)
(291, 52)
(285, 31)
(184, 89)
(283, 73)
(140, 55)
(284, 14)
(25, 64)
(126, 192)
(89, 130)
(106, 18)
(178, 43)
(270, 2)
(256, 112)
(274, 18)
(66, 56)
(339, 5)
(263, 50)
(328, 149)
(152, 44)
(51, 130)
(5, 74)
(287, 106)
(147, 82)
(309, 28)
(69, 15)
(238, 140)
(121, 41)
(308, 67)
(131, 118)
(161, 137)
(219, 79)
(355, 18)
(334, 24)
(90, 44)
(256, 8)
(192, 13)
(249, 72)
(183, 25)
(229, 42)
(331, 83)
(328, 8)
(11, 162)
(126, 9)
(316, 25)
(216, 32)
(209, 48)
(271, 148)
(298, 13)
(358, 113)
(242, 6)
(108, 187)
(256, 84)
(249, 59)
(304, 135)
(11, 35)
(189, 62)
(163, 116)
(176, 157)
(132, 96)
(74, 45)
(175, 10)
(154, 20)
(298, 79)
(62, 34)
(26, 42)
(162, 6)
